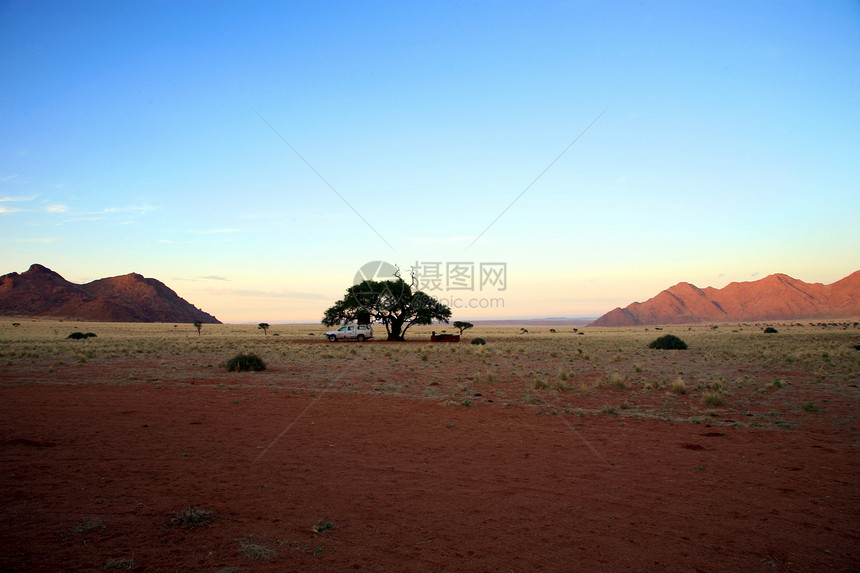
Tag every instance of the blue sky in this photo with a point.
(134, 138)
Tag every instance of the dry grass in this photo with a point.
(582, 371)
(193, 517)
(250, 549)
(713, 399)
(678, 386)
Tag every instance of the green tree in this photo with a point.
(198, 325)
(394, 303)
(264, 326)
(459, 324)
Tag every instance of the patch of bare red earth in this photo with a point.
(408, 484)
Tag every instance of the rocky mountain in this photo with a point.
(775, 297)
(129, 298)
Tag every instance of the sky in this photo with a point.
(527, 160)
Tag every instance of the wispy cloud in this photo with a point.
(198, 279)
(8, 199)
(440, 239)
(8, 210)
(56, 208)
(39, 240)
(216, 231)
(130, 209)
(8, 178)
(264, 294)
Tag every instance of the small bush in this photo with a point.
(770, 330)
(81, 335)
(193, 517)
(480, 341)
(713, 399)
(249, 548)
(668, 342)
(617, 381)
(245, 363)
(678, 387)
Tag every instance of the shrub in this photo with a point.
(617, 381)
(678, 387)
(713, 399)
(245, 363)
(193, 517)
(668, 342)
(480, 341)
(81, 335)
(770, 330)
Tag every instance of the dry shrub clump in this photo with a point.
(713, 399)
(678, 386)
(617, 381)
(245, 363)
(193, 517)
(248, 547)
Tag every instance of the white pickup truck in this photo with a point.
(359, 332)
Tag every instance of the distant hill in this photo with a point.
(775, 297)
(128, 298)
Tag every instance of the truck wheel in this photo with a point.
(332, 338)
(360, 337)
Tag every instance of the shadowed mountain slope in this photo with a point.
(129, 298)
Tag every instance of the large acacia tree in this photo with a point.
(394, 303)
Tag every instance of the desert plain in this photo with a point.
(575, 450)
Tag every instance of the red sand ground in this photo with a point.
(407, 484)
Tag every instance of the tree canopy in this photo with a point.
(393, 303)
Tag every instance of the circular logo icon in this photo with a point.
(378, 297)
(376, 271)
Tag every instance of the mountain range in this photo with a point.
(128, 298)
(775, 297)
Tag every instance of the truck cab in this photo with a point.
(359, 332)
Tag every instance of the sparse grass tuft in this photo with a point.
(809, 407)
(248, 547)
(89, 524)
(678, 386)
(322, 526)
(193, 517)
(245, 363)
(607, 409)
(713, 399)
(561, 386)
(617, 381)
(539, 383)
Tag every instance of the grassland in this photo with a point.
(731, 374)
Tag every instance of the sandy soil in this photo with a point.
(100, 460)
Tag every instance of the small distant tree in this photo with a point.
(264, 326)
(461, 326)
(198, 325)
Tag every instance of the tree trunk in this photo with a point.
(395, 332)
